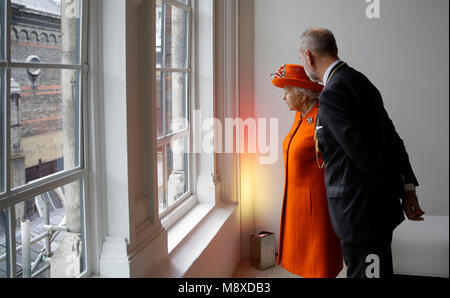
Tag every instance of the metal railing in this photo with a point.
(49, 235)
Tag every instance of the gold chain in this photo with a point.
(316, 139)
(334, 71)
(316, 142)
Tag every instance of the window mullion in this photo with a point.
(11, 242)
(7, 105)
(167, 69)
(163, 34)
(43, 65)
(164, 173)
(163, 64)
(46, 184)
(8, 30)
(163, 102)
(84, 92)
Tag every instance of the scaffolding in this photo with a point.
(50, 234)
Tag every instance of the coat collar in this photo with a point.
(336, 66)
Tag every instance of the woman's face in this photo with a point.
(293, 101)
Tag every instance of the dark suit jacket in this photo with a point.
(364, 157)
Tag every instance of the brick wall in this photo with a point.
(40, 103)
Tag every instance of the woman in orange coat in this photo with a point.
(308, 246)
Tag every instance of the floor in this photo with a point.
(245, 270)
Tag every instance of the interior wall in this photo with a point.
(222, 255)
(404, 53)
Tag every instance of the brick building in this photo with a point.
(36, 103)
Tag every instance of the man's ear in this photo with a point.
(309, 58)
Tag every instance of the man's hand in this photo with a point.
(411, 206)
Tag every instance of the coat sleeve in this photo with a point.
(401, 156)
(336, 114)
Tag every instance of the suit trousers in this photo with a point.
(369, 259)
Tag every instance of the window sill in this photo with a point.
(175, 215)
(184, 226)
(189, 237)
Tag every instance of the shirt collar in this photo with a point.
(328, 72)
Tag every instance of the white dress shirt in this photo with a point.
(328, 72)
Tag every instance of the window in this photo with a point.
(43, 170)
(173, 79)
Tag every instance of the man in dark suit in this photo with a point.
(367, 169)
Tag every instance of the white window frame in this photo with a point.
(11, 197)
(187, 200)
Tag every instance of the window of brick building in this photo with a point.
(173, 79)
(43, 171)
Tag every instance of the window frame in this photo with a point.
(10, 197)
(187, 200)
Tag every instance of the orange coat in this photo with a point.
(308, 246)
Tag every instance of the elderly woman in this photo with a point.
(308, 246)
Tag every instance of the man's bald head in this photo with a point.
(319, 40)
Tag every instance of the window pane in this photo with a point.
(177, 169)
(159, 105)
(45, 125)
(3, 244)
(44, 31)
(159, 33)
(66, 249)
(162, 203)
(2, 130)
(2, 29)
(176, 102)
(176, 37)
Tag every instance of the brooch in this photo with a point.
(310, 120)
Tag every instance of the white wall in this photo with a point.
(404, 53)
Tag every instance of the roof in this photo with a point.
(47, 6)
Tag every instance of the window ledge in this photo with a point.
(183, 227)
(190, 236)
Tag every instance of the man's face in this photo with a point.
(308, 68)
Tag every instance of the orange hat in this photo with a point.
(294, 75)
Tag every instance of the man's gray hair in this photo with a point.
(319, 40)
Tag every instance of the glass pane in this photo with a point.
(176, 37)
(62, 254)
(45, 125)
(45, 31)
(176, 102)
(159, 33)
(2, 29)
(2, 130)
(177, 169)
(3, 257)
(159, 105)
(162, 203)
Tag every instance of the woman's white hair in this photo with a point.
(309, 93)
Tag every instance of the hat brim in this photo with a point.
(283, 82)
